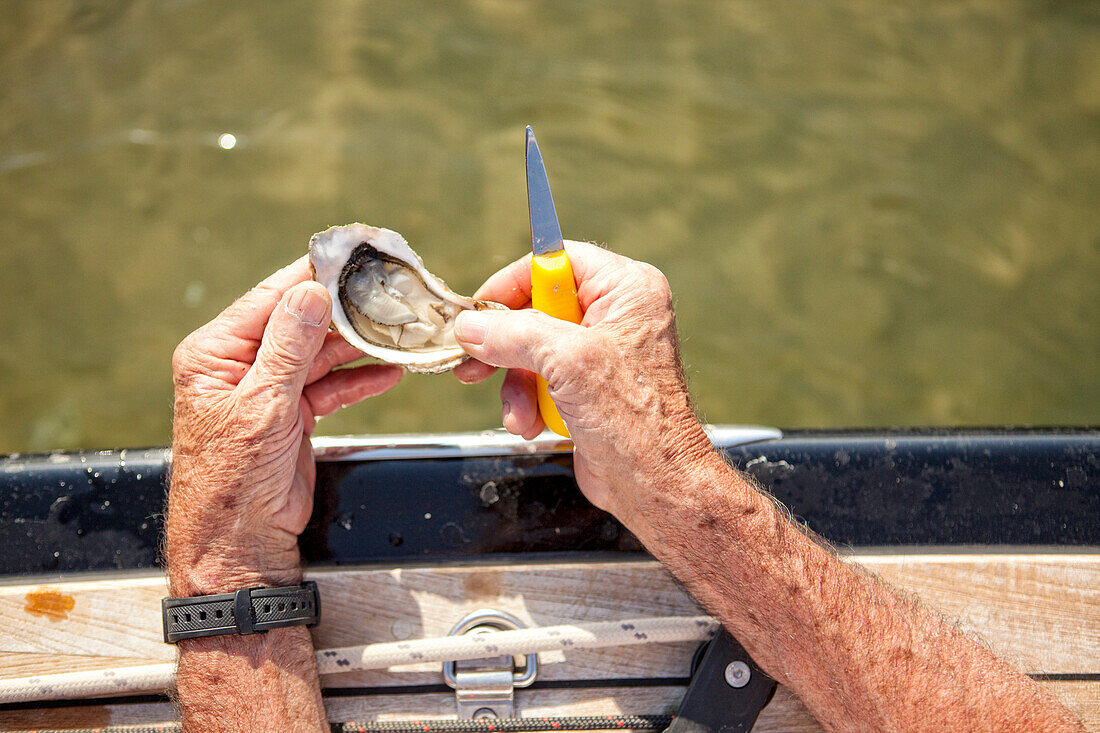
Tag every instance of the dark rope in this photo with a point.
(494, 725)
(511, 725)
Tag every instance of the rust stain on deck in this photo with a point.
(482, 585)
(49, 603)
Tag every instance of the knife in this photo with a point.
(553, 289)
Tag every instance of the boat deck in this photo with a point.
(996, 529)
(1041, 610)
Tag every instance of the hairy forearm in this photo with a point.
(858, 654)
(265, 681)
(258, 682)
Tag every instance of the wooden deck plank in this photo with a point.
(1041, 611)
(29, 664)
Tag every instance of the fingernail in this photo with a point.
(506, 411)
(470, 327)
(308, 305)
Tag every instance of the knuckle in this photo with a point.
(650, 271)
(576, 361)
(547, 358)
(261, 292)
(526, 330)
(179, 359)
(185, 361)
(656, 283)
(182, 355)
(282, 355)
(533, 324)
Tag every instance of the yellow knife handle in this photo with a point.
(554, 292)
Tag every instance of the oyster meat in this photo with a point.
(385, 302)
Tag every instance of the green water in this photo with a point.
(871, 213)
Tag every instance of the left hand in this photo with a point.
(249, 387)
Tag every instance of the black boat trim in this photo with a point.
(64, 514)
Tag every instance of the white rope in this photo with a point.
(517, 643)
(160, 677)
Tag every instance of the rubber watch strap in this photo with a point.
(247, 611)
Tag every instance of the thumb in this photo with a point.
(293, 337)
(524, 339)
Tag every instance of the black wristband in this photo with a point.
(247, 611)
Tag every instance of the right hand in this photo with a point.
(616, 378)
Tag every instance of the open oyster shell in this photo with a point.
(385, 302)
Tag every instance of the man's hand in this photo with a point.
(859, 656)
(249, 387)
(616, 378)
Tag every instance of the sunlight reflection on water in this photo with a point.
(869, 215)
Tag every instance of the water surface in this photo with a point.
(871, 213)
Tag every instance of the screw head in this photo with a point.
(737, 674)
(485, 714)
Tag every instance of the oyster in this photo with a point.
(385, 302)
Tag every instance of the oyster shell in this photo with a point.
(385, 302)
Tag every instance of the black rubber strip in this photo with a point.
(142, 699)
(543, 685)
(500, 725)
(511, 725)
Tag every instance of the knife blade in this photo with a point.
(553, 287)
(545, 232)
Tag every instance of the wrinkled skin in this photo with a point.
(616, 378)
(249, 387)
